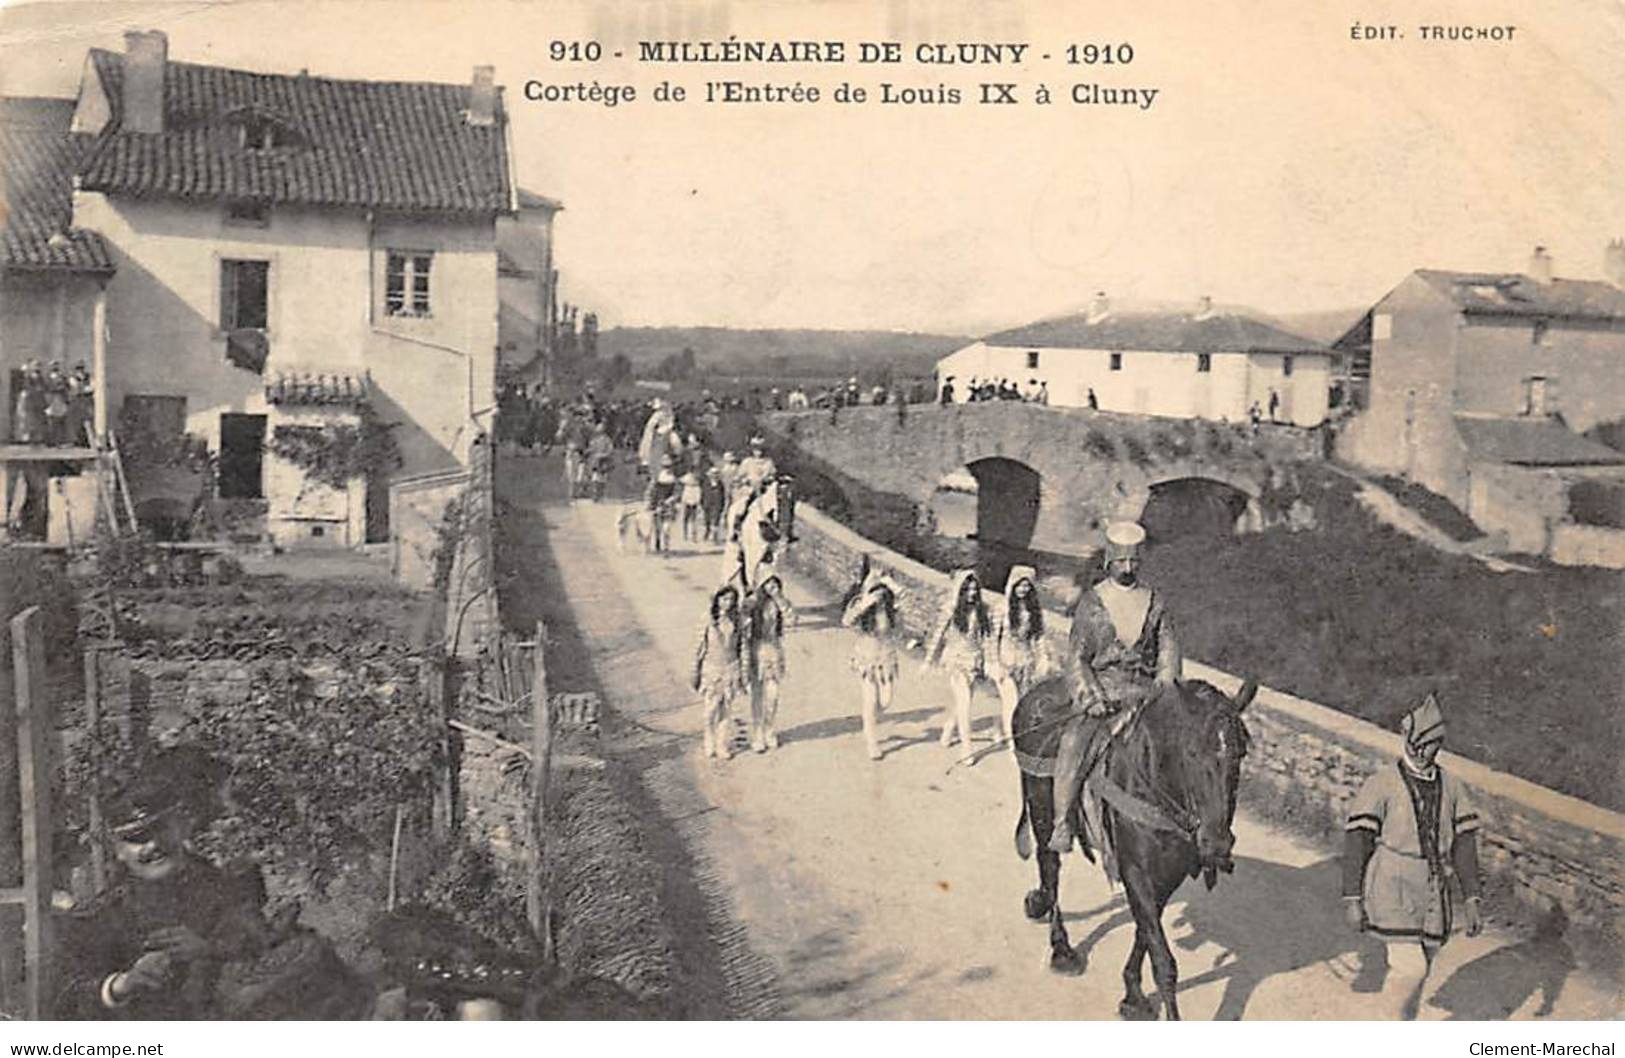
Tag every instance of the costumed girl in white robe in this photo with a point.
(1021, 655)
(718, 674)
(959, 648)
(873, 613)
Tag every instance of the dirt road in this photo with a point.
(835, 887)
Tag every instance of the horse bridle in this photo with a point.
(1170, 814)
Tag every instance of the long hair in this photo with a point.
(856, 588)
(1034, 625)
(888, 603)
(767, 616)
(732, 606)
(963, 611)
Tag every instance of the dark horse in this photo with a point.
(1169, 786)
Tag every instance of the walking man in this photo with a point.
(1410, 830)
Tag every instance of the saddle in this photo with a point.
(1040, 721)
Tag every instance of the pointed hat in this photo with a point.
(1425, 723)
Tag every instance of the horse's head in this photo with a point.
(1209, 741)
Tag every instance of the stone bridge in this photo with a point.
(1049, 477)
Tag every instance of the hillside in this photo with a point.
(809, 353)
(1326, 326)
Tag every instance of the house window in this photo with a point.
(249, 214)
(1286, 367)
(1204, 363)
(1032, 359)
(244, 300)
(1538, 335)
(406, 283)
(1117, 362)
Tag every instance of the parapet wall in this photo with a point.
(1090, 465)
(1540, 847)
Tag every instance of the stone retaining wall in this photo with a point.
(1307, 760)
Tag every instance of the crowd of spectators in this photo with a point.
(977, 390)
(52, 406)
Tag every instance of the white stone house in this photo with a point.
(1202, 364)
(292, 249)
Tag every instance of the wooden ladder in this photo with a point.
(112, 487)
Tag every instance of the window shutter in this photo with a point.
(228, 295)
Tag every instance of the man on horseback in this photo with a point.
(1121, 652)
(756, 469)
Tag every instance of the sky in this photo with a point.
(1281, 166)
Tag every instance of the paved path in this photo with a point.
(846, 888)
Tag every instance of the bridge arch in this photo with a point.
(993, 499)
(1198, 505)
(1008, 495)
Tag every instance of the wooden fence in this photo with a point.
(26, 725)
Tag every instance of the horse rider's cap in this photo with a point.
(1425, 723)
(728, 457)
(1123, 540)
(758, 441)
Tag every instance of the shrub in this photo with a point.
(315, 777)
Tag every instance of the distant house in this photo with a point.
(1202, 364)
(1479, 381)
(527, 285)
(53, 293)
(296, 251)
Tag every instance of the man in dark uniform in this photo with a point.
(151, 947)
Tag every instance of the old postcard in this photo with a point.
(832, 511)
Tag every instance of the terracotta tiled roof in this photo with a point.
(1531, 442)
(387, 145)
(1513, 294)
(38, 155)
(1219, 332)
(317, 387)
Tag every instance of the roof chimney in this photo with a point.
(145, 56)
(1099, 308)
(482, 97)
(1204, 307)
(1540, 266)
(1613, 263)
